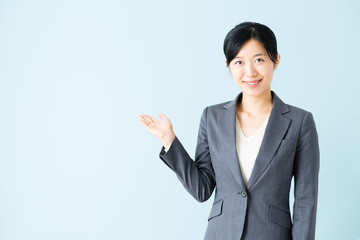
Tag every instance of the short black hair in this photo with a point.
(245, 31)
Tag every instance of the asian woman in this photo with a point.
(249, 149)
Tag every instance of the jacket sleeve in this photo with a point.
(306, 170)
(198, 177)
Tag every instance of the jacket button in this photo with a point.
(243, 194)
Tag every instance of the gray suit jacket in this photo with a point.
(260, 210)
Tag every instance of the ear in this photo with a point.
(277, 62)
(227, 65)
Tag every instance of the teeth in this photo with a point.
(253, 83)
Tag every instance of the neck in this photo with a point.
(254, 105)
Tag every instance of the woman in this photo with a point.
(249, 148)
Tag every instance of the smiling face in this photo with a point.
(252, 69)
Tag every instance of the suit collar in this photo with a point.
(274, 132)
(278, 104)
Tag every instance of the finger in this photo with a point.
(150, 119)
(144, 124)
(141, 116)
(162, 116)
(147, 119)
(143, 120)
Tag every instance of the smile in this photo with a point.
(253, 84)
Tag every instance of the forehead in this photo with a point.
(251, 48)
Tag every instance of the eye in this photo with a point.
(260, 60)
(238, 62)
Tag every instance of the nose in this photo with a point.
(250, 70)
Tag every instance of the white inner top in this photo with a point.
(248, 147)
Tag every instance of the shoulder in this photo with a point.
(218, 108)
(300, 118)
(219, 105)
(213, 110)
(297, 112)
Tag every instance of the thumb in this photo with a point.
(162, 116)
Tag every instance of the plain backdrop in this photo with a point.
(75, 163)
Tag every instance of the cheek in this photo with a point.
(266, 71)
(237, 74)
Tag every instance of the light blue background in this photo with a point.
(75, 163)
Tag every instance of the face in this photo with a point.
(252, 69)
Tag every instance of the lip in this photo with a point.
(252, 85)
(252, 81)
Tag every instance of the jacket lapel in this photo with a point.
(274, 132)
(226, 123)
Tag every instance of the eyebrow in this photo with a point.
(259, 54)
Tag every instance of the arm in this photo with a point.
(167, 148)
(198, 177)
(306, 170)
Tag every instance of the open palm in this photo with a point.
(155, 127)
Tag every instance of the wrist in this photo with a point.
(167, 139)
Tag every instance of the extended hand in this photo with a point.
(160, 129)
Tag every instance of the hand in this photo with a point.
(160, 129)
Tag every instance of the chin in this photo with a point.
(255, 92)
